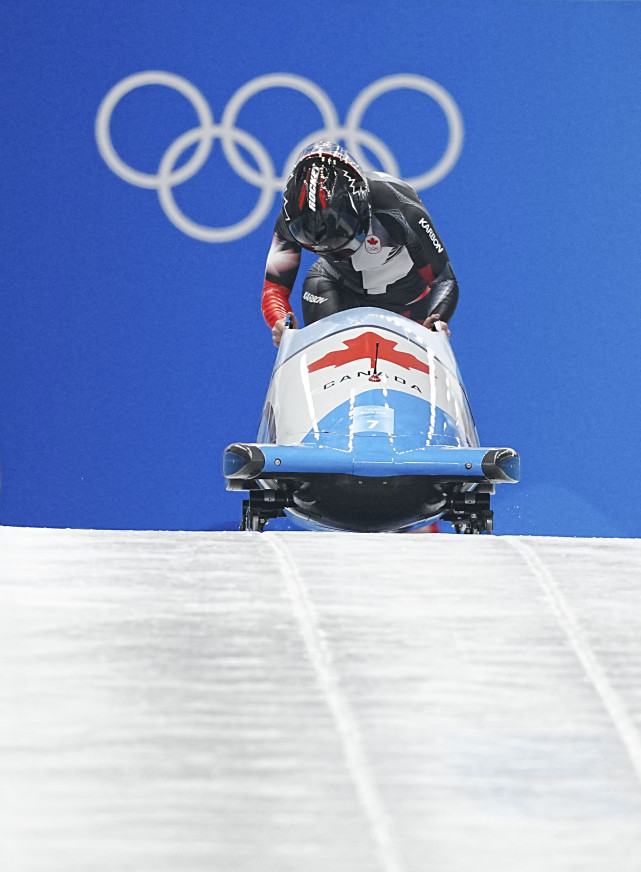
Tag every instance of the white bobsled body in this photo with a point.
(367, 426)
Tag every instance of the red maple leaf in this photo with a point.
(364, 346)
(372, 241)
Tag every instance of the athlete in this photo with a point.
(375, 242)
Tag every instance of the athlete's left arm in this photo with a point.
(432, 262)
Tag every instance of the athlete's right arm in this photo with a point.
(283, 261)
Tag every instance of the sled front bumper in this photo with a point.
(372, 455)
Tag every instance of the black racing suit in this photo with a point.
(402, 265)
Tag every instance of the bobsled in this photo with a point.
(367, 427)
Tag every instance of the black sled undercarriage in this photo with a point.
(468, 511)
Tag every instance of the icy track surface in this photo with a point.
(294, 702)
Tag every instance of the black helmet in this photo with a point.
(327, 203)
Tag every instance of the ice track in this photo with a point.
(294, 702)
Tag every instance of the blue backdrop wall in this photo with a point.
(132, 345)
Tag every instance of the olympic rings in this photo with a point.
(265, 177)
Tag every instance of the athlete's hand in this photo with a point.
(432, 320)
(280, 325)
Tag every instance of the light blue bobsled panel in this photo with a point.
(415, 422)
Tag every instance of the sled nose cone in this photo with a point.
(501, 464)
(243, 461)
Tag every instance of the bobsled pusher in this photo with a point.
(367, 428)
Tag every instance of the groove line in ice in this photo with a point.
(346, 724)
(610, 698)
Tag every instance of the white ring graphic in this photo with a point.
(265, 177)
(416, 83)
(199, 231)
(103, 124)
(262, 83)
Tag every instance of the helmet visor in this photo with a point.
(331, 231)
